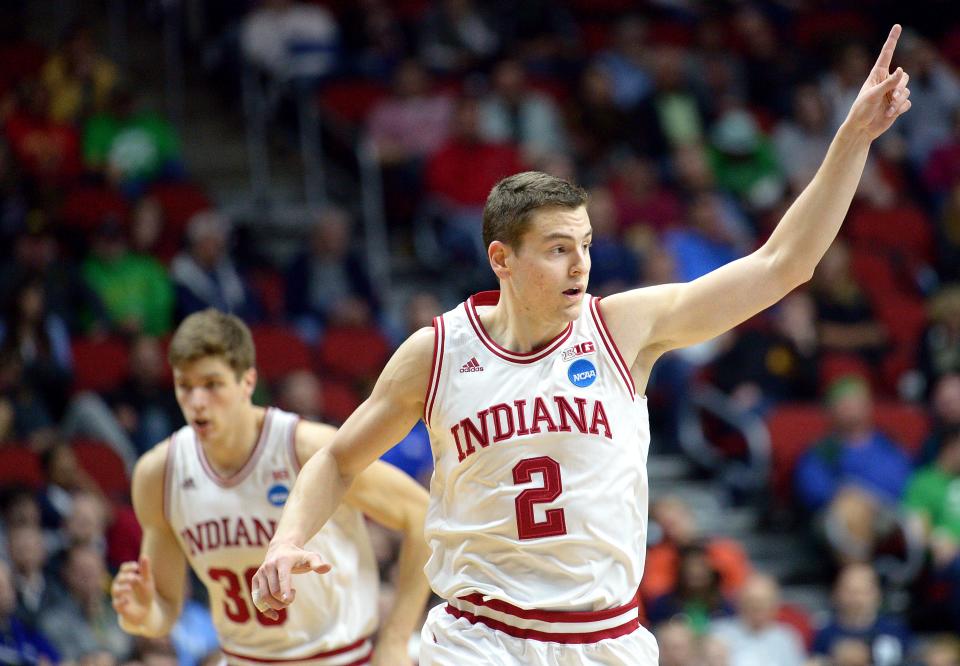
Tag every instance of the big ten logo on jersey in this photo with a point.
(581, 349)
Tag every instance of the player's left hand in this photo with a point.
(390, 652)
(884, 97)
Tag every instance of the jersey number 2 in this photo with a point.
(235, 606)
(527, 525)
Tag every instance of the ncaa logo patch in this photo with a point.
(277, 495)
(582, 373)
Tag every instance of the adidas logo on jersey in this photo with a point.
(188, 483)
(473, 365)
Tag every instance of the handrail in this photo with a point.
(751, 475)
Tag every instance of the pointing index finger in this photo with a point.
(886, 53)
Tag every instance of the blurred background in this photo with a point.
(319, 169)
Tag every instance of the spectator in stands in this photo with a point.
(754, 636)
(770, 69)
(40, 340)
(460, 175)
(848, 652)
(65, 478)
(705, 242)
(514, 112)
(205, 275)
(842, 83)
(327, 278)
(697, 593)
(19, 644)
(599, 127)
(456, 37)
(935, 89)
(36, 587)
(855, 475)
(627, 62)
(132, 147)
(615, 266)
(939, 353)
(942, 169)
(856, 615)
(83, 624)
(26, 416)
(679, 531)
(945, 404)
(767, 364)
(292, 41)
(847, 323)
(85, 525)
(136, 290)
(79, 78)
(46, 149)
(948, 237)
(143, 404)
(802, 140)
(744, 161)
(671, 116)
(643, 201)
(941, 651)
(677, 642)
(930, 499)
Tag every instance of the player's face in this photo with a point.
(211, 397)
(551, 269)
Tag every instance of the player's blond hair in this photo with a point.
(506, 215)
(213, 333)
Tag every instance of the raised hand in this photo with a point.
(884, 97)
(133, 591)
(272, 585)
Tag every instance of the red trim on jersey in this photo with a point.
(248, 466)
(611, 346)
(492, 298)
(547, 636)
(168, 477)
(319, 655)
(293, 444)
(550, 616)
(436, 366)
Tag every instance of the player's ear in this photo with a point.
(498, 253)
(249, 381)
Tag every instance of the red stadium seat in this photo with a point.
(874, 272)
(179, 201)
(105, 467)
(353, 353)
(793, 428)
(85, 207)
(907, 424)
(351, 101)
(268, 286)
(279, 352)
(835, 365)
(905, 319)
(20, 466)
(339, 401)
(99, 365)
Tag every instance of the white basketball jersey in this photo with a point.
(224, 526)
(539, 494)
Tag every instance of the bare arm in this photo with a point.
(399, 503)
(148, 594)
(383, 419)
(647, 322)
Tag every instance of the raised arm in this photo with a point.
(383, 419)
(646, 322)
(148, 594)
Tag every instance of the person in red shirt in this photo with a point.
(49, 151)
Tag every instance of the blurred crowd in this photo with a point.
(692, 125)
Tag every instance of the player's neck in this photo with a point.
(229, 453)
(514, 327)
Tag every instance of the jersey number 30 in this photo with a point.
(235, 606)
(527, 525)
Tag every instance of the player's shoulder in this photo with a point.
(311, 436)
(152, 465)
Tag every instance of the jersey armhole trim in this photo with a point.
(436, 366)
(611, 346)
(168, 476)
(292, 444)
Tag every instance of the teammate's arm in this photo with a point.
(678, 315)
(383, 419)
(399, 503)
(148, 594)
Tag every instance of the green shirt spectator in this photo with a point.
(933, 492)
(136, 290)
(137, 146)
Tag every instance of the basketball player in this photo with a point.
(212, 493)
(533, 398)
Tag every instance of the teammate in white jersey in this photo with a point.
(537, 518)
(211, 495)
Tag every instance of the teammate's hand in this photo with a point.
(884, 96)
(133, 590)
(389, 652)
(272, 587)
